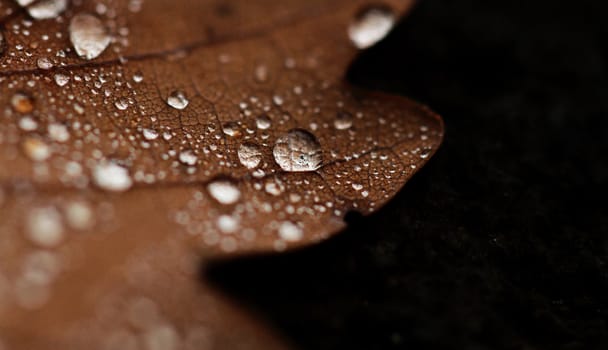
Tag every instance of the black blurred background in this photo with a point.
(500, 241)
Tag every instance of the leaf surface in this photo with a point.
(200, 129)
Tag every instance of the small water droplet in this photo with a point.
(231, 129)
(249, 155)
(143, 313)
(227, 224)
(138, 77)
(278, 100)
(298, 150)
(121, 104)
(61, 79)
(112, 177)
(224, 191)
(22, 103)
(262, 122)
(88, 36)
(44, 227)
(188, 157)
(343, 121)
(161, 337)
(290, 231)
(357, 187)
(36, 149)
(58, 132)
(177, 99)
(41, 267)
(274, 187)
(425, 153)
(261, 73)
(79, 215)
(150, 134)
(44, 63)
(371, 25)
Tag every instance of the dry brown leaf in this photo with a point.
(139, 137)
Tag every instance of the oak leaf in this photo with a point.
(139, 138)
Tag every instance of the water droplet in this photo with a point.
(224, 191)
(138, 77)
(88, 36)
(22, 103)
(150, 134)
(28, 124)
(143, 313)
(121, 104)
(162, 337)
(120, 340)
(425, 153)
(249, 155)
(290, 231)
(278, 100)
(262, 122)
(61, 79)
(58, 132)
(24, 3)
(371, 25)
(231, 129)
(274, 187)
(357, 187)
(44, 227)
(112, 177)
(47, 8)
(79, 215)
(261, 73)
(298, 150)
(36, 149)
(44, 63)
(227, 224)
(41, 267)
(177, 100)
(31, 295)
(188, 157)
(344, 120)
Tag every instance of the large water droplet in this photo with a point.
(224, 191)
(249, 155)
(45, 9)
(88, 35)
(298, 150)
(112, 177)
(177, 100)
(371, 25)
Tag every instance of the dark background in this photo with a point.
(500, 241)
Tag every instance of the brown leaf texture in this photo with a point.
(139, 138)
